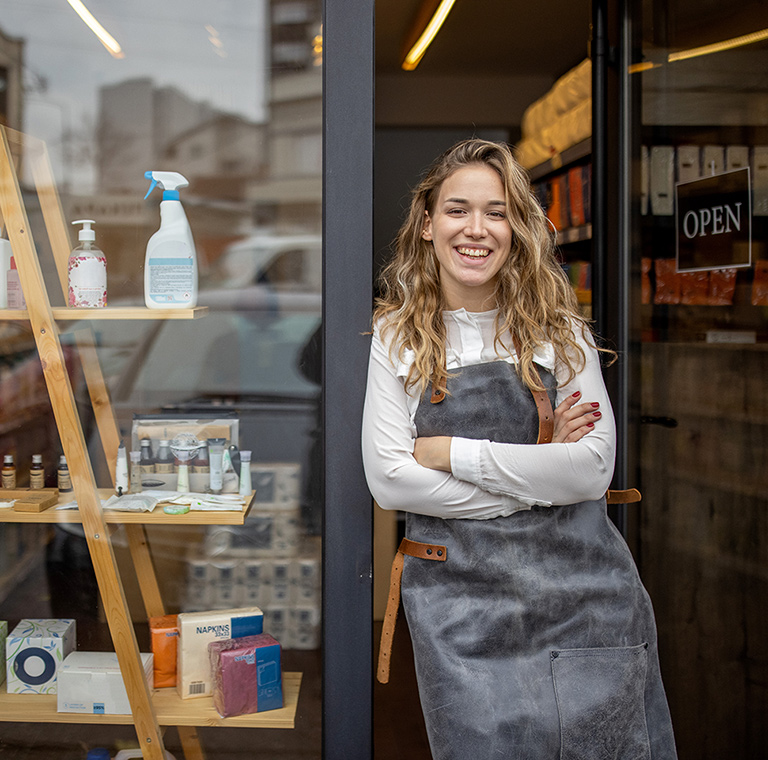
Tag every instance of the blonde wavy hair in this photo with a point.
(535, 300)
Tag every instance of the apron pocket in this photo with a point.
(601, 703)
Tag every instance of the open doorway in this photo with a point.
(489, 63)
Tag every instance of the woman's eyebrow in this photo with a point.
(464, 200)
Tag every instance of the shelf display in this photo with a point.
(148, 710)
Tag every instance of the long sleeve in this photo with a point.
(394, 477)
(547, 474)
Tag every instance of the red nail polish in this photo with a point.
(577, 394)
(595, 404)
(590, 424)
(597, 414)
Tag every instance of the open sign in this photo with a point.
(714, 222)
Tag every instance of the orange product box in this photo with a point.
(576, 196)
(164, 633)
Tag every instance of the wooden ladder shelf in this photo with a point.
(149, 711)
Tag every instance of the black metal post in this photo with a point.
(347, 255)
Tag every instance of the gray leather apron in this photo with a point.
(535, 639)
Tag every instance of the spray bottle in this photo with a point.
(170, 266)
(87, 271)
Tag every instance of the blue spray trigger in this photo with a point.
(148, 175)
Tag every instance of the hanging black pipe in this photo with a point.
(599, 49)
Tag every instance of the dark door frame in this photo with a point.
(348, 72)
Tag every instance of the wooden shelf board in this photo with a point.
(560, 160)
(171, 710)
(156, 517)
(66, 314)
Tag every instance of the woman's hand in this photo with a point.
(434, 452)
(573, 421)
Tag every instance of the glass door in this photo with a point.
(699, 322)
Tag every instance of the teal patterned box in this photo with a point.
(35, 649)
(3, 637)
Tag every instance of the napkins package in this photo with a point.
(247, 676)
(196, 631)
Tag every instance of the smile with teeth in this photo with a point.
(473, 253)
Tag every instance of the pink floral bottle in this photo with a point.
(87, 271)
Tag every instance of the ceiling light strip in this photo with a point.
(716, 47)
(416, 53)
(106, 39)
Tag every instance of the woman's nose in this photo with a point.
(475, 225)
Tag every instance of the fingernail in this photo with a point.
(595, 404)
(597, 414)
(577, 394)
(590, 424)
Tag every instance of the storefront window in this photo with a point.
(699, 318)
(229, 96)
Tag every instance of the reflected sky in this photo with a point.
(212, 51)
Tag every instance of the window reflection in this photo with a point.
(229, 95)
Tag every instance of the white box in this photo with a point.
(196, 631)
(91, 682)
(35, 649)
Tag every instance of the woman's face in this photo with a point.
(472, 237)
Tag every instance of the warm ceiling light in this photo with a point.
(106, 39)
(716, 47)
(416, 53)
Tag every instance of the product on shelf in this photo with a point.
(5, 265)
(170, 265)
(196, 631)
(35, 649)
(246, 674)
(91, 682)
(164, 637)
(87, 271)
(3, 637)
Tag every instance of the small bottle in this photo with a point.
(15, 295)
(9, 472)
(121, 470)
(245, 473)
(87, 271)
(147, 461)
(201, 463)
(164, 461)
(62, 475)
(136, 486)
(37, 472)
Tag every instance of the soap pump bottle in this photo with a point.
(170, 265)
(87, 271)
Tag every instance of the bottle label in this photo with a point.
(164, 467)
(65, 481)
(9, 478)
(36, 478)
(200, 468)
(171, 273)
(146, 469)
(87, 281)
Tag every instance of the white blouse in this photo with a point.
(487, 479)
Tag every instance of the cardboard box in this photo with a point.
(196, 631)
(35, 649)
(247, 676)
(91, 682)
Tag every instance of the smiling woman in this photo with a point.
(517, 588)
